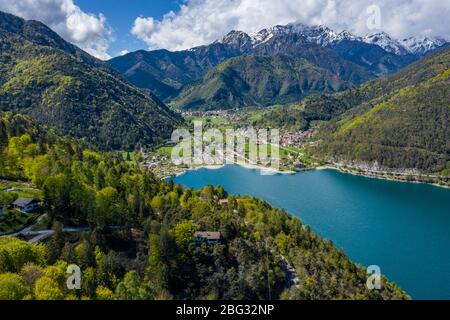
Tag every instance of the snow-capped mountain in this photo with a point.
(421, 46)
(352, 59)
(383, 40)
(320, 35)
(413, 45)
(325, 37)
(237, 39)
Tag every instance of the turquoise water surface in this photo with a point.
(402, 227)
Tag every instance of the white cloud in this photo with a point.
(123, 52)
(86, 30)
(143, 27)
(203, 21)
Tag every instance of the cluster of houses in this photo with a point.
(232, 115)
(296, 139)
(25, 205)
(151, 160)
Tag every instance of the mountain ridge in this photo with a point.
(258, 81)
(64, 87)
(401, 123)
(353, 58)
(324, 36)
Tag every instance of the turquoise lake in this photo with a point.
(402, 227)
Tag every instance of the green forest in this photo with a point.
(250, 81)
(399, 122)
(57, 84)
(140, 244)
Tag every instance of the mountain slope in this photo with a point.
(58, 84)
(401, 122)
(373, 58)
(353, 59)
(39, 33)
(347, 56)
(164, 72)
(258, 81)
(154, 254)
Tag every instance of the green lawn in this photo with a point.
(165, 151)
(255, 115)
(14, 221)
(21, 190)
(29, 193)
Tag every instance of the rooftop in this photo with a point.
(208, 235)
(23, 202)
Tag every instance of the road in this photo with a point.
(38, 236)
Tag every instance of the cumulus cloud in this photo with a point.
(203, 21)
(86, 30)
(123, 52)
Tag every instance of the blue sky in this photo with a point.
(105, 28)
(121, 15)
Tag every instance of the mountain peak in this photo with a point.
(385, 41)
(324, 36)
(422, 45)
(237, 39)
(39, 33)
(412, 45)
(317, 34)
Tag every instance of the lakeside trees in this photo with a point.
(140, 244)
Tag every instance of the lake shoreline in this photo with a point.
(362, 173)
(359, 216)
(380, 175)
(269, 171)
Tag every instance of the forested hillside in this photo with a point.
(258, 81)
(57, 84)
(398, 122)
(165, 73)
(405, 125)
(141, 239)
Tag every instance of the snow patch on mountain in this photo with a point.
(422, 46)
(383, 40)
(324, 36)
(320, 35)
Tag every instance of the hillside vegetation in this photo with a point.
(165, 73)
(181, 76)
(258, 81)
(141, 245)
(405, 125)
(59, 85)
(398, 122)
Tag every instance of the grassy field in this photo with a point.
(11, 190)
(14, 220)
(165, 151)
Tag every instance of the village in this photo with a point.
(291, 148)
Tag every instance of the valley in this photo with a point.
(87, 174)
